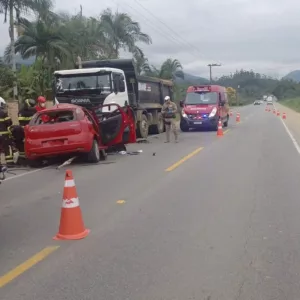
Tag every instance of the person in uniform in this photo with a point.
(41, 103)
(17, 131)
(169, 111)
(26, 112)
(6, 145)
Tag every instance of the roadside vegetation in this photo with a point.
(293, 103)
(53, 40)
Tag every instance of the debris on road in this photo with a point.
(131, 152)
(66, 163)
(146, 141)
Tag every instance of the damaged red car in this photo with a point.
(71, 129)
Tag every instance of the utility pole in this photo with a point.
(237, 96)
(210, 70)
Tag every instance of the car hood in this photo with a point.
(198, 108)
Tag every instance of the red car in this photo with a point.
(67, 128)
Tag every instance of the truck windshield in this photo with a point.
(89, 83)
(202, 98)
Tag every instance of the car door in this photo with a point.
(94, 127)
(117, 124)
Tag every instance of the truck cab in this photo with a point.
(203, 107)
(91, 87)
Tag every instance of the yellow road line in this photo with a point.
(13, 274)
(120, 201)
(181, 161)
(226, 131)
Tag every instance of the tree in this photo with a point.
(85, 36)
(141, 62)
(121, 32)
(18, 7)
(170, 69)
(232, 96)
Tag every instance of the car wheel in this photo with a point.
(103, 155)
(94, 155)
(184, 128)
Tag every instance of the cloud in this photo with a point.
(249, 34)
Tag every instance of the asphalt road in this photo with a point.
(220, 224)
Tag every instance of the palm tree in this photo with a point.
(141, 62)
(43, 41)
(84, 35)
(18, 7)
(121, 32)
(40, 39)
(170, 69)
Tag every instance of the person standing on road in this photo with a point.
(169, 111)
(17, 131)
(6, 146)
(26, 112)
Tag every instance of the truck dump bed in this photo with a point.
(144, 92)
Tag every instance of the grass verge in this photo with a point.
(293, 103)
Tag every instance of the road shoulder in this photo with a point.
(292, 121)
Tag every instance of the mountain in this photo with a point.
(188, 78)
(294, 75)
(191, 79)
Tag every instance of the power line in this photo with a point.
(159, 31)
(171, 29)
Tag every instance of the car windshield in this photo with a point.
(94, 83)
(202, 98)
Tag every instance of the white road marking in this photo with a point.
(27, 173)
(290, 134)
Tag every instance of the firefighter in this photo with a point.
(41, 103)
(6, 145)
(27, 112)
(17, 131)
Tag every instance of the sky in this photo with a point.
(263, 35)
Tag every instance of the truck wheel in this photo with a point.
(94, 155)
(143, 128)
(184, 128)
(160, 126)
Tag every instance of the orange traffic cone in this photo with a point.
(71, 223)
(284, 116)
(274, 111)
(238, 118)
(278, 113)
(220, 129)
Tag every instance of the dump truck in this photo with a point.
(100, 82)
